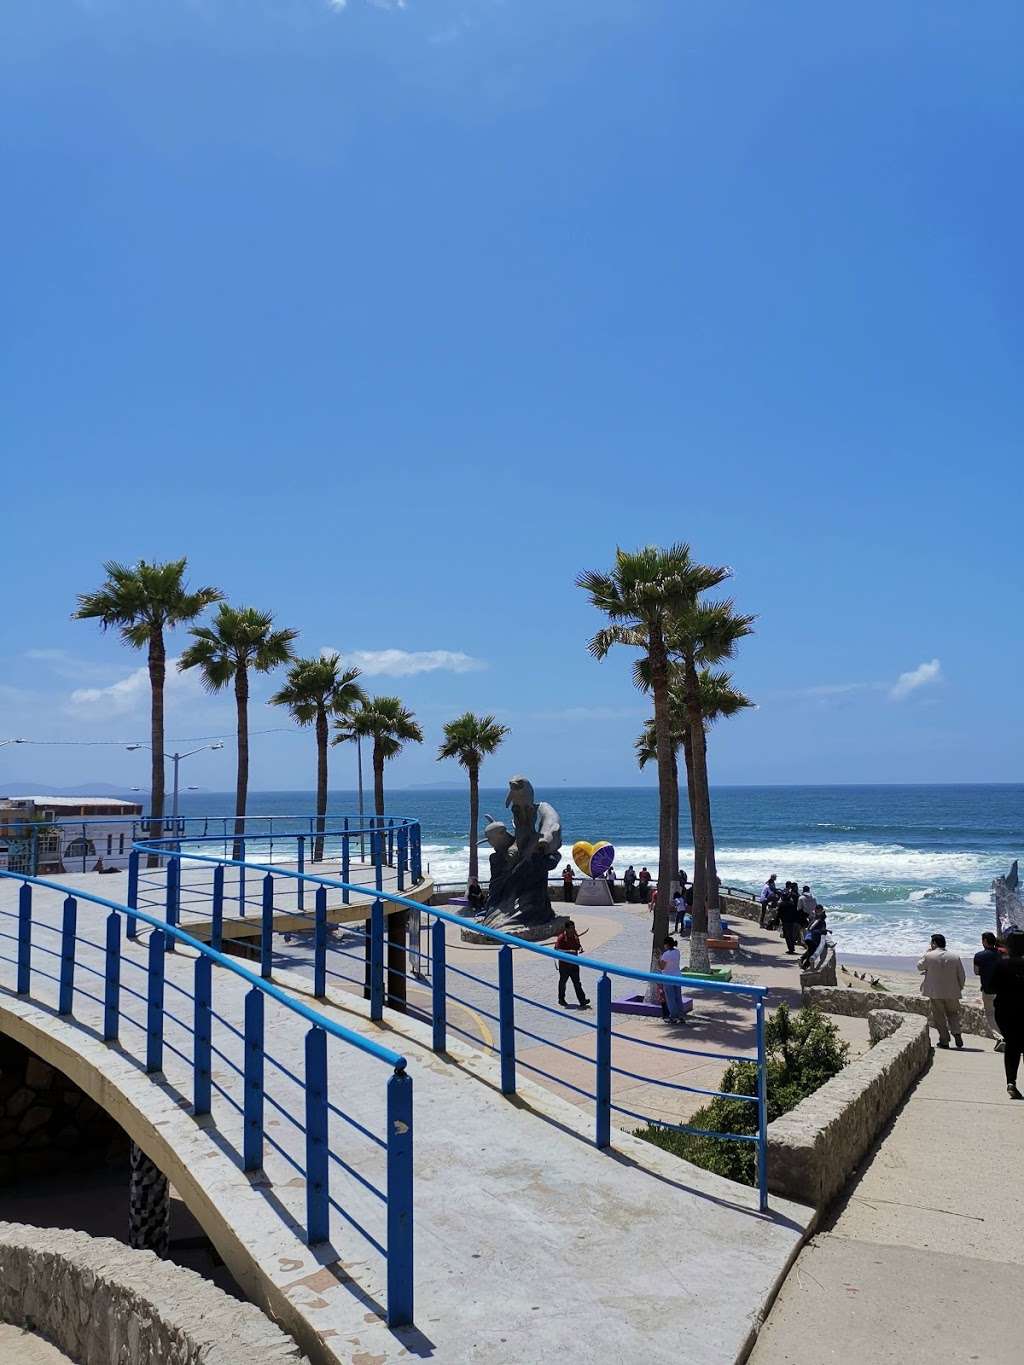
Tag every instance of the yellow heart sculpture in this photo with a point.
(582, 852)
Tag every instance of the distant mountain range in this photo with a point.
(16, 788)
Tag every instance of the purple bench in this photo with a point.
(636, 1004)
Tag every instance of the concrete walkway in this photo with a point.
(924, 1258)
(18, 1347)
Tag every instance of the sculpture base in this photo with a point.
(530, 933)
(594, 891)
(636, 1004)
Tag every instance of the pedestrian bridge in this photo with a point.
(380, 1186)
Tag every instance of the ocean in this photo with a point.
(892, 863)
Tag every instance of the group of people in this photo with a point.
(794, 910)
(1001, 978)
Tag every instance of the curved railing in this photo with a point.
(383, 939)
(54, 964)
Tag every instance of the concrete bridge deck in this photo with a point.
(529, 1241)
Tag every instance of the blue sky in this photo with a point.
(392, 317)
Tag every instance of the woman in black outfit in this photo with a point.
(1008, 984)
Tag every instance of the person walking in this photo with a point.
(943, 984)
(629, 882)
(1007, 983)
(769, 895)
(669, 963)
(567, 884)
(984, 965)
(679, 906)
(568, 941)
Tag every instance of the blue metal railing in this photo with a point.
(78, 957)
(388, 965)
(77, 844)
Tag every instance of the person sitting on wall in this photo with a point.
(475, 897)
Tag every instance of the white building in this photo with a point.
(48, 834)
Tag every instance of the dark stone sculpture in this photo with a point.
(518, 901)
(1009, 904)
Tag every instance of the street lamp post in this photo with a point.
(176, 758)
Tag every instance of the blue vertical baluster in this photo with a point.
(24, 937)
(320, 942)
(155, 1002)
(173, 880)
(133, 892)
(34, 855)
(762, 1111)
(391, 841)
(346, 863)
(377, 960)
(439, 1005)
(85, 844)
(252, 1155)
(203, 1028)
(604, 1062)
(317, 1175)
(302, 869)
(507, 1021)
(241, 881)
(416, 851)
(67, 956)
(400, 1213)
(403, 850)
(112, 978)
(267, 928)
(217, 919)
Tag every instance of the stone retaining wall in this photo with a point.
(102, 1303)
(46, 1123)
(815, 1148)
(859, 1004)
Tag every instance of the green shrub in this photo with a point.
(802, 1050)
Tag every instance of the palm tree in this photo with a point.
(719, 699)
(642, 595)
(143, 601)
(315, 690)
(240, 640)
(469, 739)
(390, 726)
(702, 634)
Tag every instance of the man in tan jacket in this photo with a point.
(943, 984)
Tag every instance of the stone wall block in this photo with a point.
(859, 1004)
(813, 1150)
(104, 1304)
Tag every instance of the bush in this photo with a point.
(802, 1051)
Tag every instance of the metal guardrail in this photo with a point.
(110, 960)
(383, 938)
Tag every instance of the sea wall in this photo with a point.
(99, 1302)
(859, 1004)
(815, 1148)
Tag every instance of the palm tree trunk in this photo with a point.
(474, 819)
(714, 896)
(321, 783)
(699, 960)
(663, 747)
(378, 795)
(157, 673)
(688, 759)
(675, 814)
(242, 772)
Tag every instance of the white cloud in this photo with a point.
(403, 663)
(922, 676)
(131, 693)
